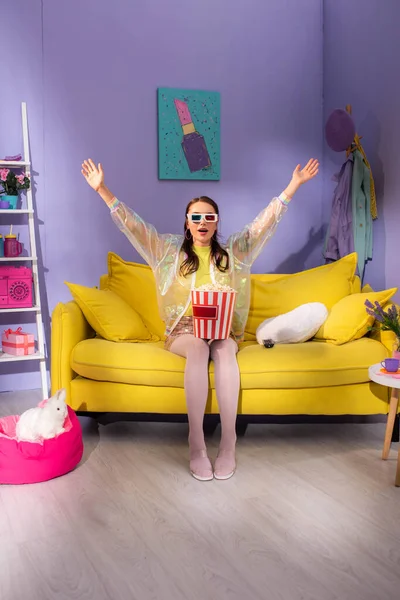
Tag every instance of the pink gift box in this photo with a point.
(18, 342)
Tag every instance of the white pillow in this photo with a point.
(298, 325)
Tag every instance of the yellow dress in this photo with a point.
(203, 272)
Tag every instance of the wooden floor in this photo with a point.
(312, 513)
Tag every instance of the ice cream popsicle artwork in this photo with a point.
(193, 143)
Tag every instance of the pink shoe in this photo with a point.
(200, 466)
(225, 464)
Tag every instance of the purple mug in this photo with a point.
(391, 364)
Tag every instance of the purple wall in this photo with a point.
(360, 59)
(22, 80)
(102, 63)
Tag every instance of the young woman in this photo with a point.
(181, 262)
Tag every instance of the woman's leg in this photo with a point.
(227, 384)
(197, 354)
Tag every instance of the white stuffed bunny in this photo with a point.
(43, 422)
(294, 327)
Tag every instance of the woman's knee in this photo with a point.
(198, 350)
(224, 349)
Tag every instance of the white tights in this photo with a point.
(227, 381)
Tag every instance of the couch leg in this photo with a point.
(241, 426)
(396, 429)
(91, 415)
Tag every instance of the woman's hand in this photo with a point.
(95, 178)
(301, 176)
(93, 175)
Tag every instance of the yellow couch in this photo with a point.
(319, 377)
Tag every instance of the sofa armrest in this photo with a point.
(69, 327)
(387, 338)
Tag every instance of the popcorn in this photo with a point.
(214, 287)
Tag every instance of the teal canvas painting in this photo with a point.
(188, 134)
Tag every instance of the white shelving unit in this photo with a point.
(18, 258)
(18, 211)
(25, 164)
(17, 310)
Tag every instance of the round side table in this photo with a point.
(394, 383)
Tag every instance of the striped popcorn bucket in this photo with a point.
(212, 314)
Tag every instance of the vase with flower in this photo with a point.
(389, 320)
(12, 184)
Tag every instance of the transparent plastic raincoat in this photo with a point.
(163, 254)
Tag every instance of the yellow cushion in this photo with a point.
(348, 319)
(135, 284)
(356, 287)
(308, 365)
(109, 315)
(327, 284)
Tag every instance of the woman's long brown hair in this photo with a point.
(219, 255)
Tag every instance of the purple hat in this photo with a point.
(339, 130)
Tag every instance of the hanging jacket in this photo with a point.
(163, 254)
(356, 145)
(361, 206)
(339, 240)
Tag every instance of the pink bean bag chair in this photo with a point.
(32, 462)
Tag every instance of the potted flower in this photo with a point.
(389, 321)
(12, 184)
